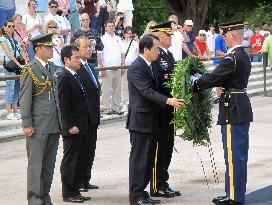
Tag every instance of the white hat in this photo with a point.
(189, 22)
(202, 32)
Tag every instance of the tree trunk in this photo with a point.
(190, 9)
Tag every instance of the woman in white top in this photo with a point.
(33, 23)
(52, 28)
(130, 51)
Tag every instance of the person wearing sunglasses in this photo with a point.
(52, 28)
(33, 23)
(61, 20)
(12, 52)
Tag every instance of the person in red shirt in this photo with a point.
(257, 41)
(201, 42)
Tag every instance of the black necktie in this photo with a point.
(78, 79)
(151, 70)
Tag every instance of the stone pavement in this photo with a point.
(110, 170)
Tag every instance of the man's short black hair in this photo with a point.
(67, 51)
(147, 42)
(53, 2)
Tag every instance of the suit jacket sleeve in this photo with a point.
(26, 90)
(65, 102)
(218, 76)
(144, 86)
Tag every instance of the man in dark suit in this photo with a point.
(165, 65)
(92, 97)
(235, 112)
(143, 118)
(75, 125)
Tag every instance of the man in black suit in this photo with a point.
(165, 66)
(143, 118)
(75, 125)
(92, 97)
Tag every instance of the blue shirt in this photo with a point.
(72, 5)
(10, 47)
(190, 44)
(42, 5)
(220, 44)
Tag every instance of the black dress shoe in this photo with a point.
(177, 193)
(227, 201)
(166, 193)
(90, 186)
(73, 199)
(84, 198)
(143, 202)
(219, 198)
(154, 201)
(83, 189)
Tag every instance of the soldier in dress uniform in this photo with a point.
(235, 113)
(165, 66)
(40, 120)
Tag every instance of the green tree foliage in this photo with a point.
(259, 14)
(256, 11)
(147, 10)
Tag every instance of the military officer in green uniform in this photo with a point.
(40, 120)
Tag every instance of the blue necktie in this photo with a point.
(78, 79)
(91, 75)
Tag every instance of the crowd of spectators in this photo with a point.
(113, 41)
(68, 20)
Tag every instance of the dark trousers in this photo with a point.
(164, 152)
(73, 164)
(142, 155)
(235, 143)
(90, 154)
(101, 20)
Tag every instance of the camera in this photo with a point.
(121, 18)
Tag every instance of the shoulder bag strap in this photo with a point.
(128, 48)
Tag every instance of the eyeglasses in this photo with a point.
(53, 7)
(202, 34)
(85, 19)
(33, 5)
(53, 27)
(246, 24)
(11, 26)
(189, 25)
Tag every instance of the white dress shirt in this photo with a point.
(176, 47)
(111, 54)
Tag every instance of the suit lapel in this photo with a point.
(73, 79)
(147, 68)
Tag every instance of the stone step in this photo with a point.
(2, 104)
(259, 84)
(2, 93)
(6, 125)
(260, 77)
(11, 134)
(258, 91)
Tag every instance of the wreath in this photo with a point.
(195, 117)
